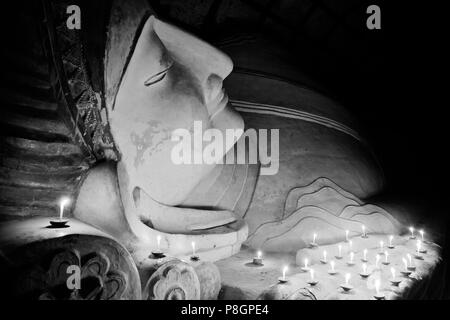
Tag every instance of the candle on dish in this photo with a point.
(394, 280)
(386, 255)
(346, 235)
(305, 265)
(406, 272)
(283, 278)
(419, 250)
(410, 266)
(363, 227)
(324, 259)
(405, 263)
(422, 234)
(312, 281)
(258, 259)
(411, 229)
(347, 278)
(378, 294)
(391, 238)
(351, 262)
(364, 273)
(158, 253)
(364, 259)
(377, 260)
(332, 270)
(339, 256)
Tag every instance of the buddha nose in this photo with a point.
(213, 88)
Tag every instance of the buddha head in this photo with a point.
(160, 79)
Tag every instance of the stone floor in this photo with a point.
(241, 279)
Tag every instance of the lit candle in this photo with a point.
(364, 273)
(381, 246)
(312, 281)
(347, 278)
(158, 253)
(324, 259)
(351, 262)
(420, 247)
(405, 272)
(364, 235)
(377, 260)
(258, 259)
(422, 233)
(410, 267)
(346, 235)
(391, 246)
(350, 245)
(394, 280)
(419, 250)
(283, 278)
(314, 238)
(339, 256)
(305, 266)
(378, 294)
(411, 229)
(386, 255)
(332, 270)
(364, 259)
(62, 204)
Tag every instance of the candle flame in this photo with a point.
(386, 254)
(193, 248)
(365, 254)
(381, 244)
(62, 203)
(411, 229)
(324, 255)
(409, 258)
(350, 243)
(377, 259)
(405, 263)
(158, 240)
(314, 237)
(332, 265)
(346, 234)
(363, 228)
(306, 263)
(259, 254)
(285, 269)
(340, 249)
(390, 240)
(312, 273)
(351, 256)
(419, 246)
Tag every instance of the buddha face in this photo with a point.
(172, 79)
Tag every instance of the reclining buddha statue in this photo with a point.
(150, 79)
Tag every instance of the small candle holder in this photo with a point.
(313, 245)
(423, 251)
(412, 268)
(350, 263)
(395, 281)
(158, 254)
(195, 258)
(379, 296)
(346, 287)
(391, 246)
(59, 223)
(332, 272)
(364, 260)
(282, 280)
(257, 261)
(312, 282)
(339, 257)
(418, 256)
(386, 263)
(365, 275)
(405, 273)
(322, 261)
(305, 269)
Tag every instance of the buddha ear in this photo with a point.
(148, 56)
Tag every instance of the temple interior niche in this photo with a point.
(88, 177)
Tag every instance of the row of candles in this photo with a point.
(408, 268)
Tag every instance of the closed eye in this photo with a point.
(157, 77)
